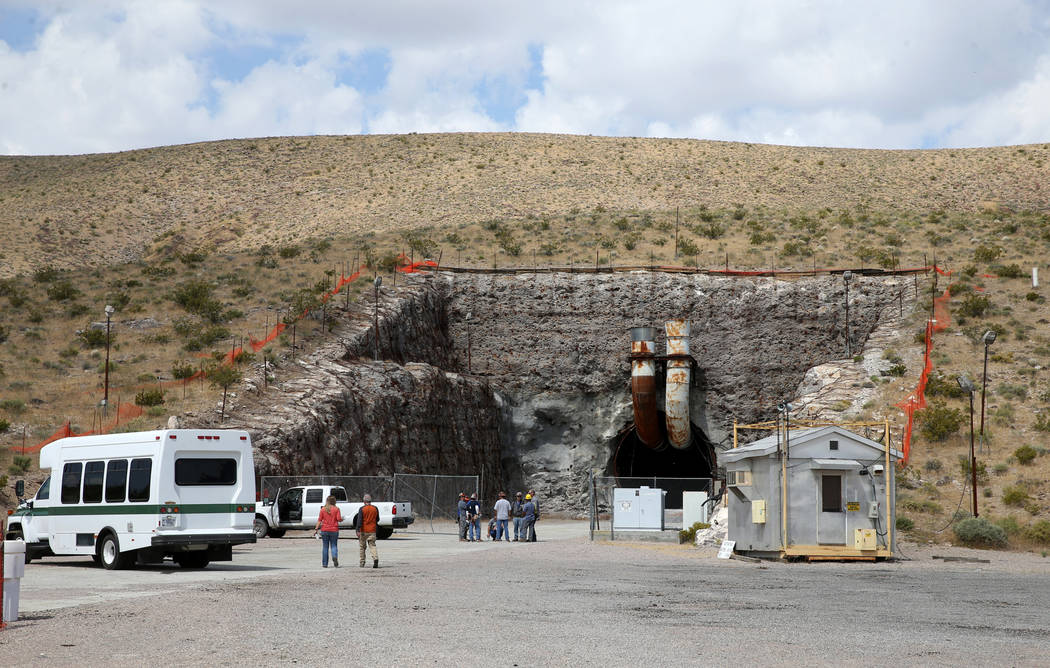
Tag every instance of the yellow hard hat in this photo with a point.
(528, 496)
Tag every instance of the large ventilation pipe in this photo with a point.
(643, 386)
(676, 397)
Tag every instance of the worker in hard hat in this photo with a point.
(529, 530)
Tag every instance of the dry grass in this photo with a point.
(260, 219)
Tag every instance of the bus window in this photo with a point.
(94, 472)
(71, 482)
(116, 481)
(138, 481)
(205, 471)
(45, 489)
(313, 495)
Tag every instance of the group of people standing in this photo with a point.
(524, 510)
(366, 524)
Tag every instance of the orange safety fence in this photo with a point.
(916, 401)
(124, 412)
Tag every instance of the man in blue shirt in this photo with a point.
(529, 529)
(462, 516)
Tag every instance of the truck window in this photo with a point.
(339, 493)
(313, 495)
(45, 489)
(71, 482)
(94, 473)
(138, 481)
(116, 481)
(205, 471)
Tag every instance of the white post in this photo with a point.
(1035, 277)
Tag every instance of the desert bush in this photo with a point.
(979, 532)
(20, 464)
(3, 334)
(982, 469)
(151, 397)
(937, 422)
(196, 297)
(193, 257)
(1008, 271)
(4, 425)
(799, 248)
(974, 306)
(288, 252)
(1018, 392)
(922, 506)
(1039, 532)
(1008, 524)
(14, 406)
(62, 291)
(95, 338)
(1025, 454)
(1015, 495)
(1042, 422)
(985, 254)
(182, 370)
(689, 535)
(905, 523)
(687, 246)
(933, 465)
(710, 231)
(45, 275)
(938, 385)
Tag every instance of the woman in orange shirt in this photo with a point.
(328, 522)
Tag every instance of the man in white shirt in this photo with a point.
(502, 510)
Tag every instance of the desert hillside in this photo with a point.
(91, 210)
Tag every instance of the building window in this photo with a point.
(831, 493)
(834, 445)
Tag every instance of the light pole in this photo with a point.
(846, 276)
(967, 387)
(989, 339)
(105, 397)
(378, 282)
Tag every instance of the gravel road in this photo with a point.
(561, 601)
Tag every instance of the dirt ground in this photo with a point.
(561, 601)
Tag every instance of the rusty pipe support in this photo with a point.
(643, 386)
(676, 392)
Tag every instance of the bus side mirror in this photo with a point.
(20, 488)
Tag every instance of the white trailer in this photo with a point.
(184, 493)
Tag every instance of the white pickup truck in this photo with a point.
(299, 508)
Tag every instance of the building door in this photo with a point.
(831, 516)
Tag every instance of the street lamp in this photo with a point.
(846, 277)
(967, 387)
(378, 282)
(105, 397)
(989, 339)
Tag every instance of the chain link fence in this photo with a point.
(434, 498)
(601, 496)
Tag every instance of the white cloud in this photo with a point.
(117, 74)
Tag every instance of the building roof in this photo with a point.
(768, 445)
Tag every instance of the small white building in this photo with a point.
(837, 488)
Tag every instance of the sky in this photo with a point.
(89, 76)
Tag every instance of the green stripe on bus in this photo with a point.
(145, 509)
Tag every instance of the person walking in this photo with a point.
(328, 524)
(461, 510)
(502, 514)
(529, 524)
(518, 512)
(366, 523)
(474, 518)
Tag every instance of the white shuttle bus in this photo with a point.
(121, 498)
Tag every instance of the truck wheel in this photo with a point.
(260, 527)
(192, 559)
(16, 534)
(276, 533)
(110, 555)
(382, 533)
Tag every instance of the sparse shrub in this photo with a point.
(897, 370)
(1042, 422)
(193, 257)
(711, 230)
(1008, 524)
(1001, 468)
(95, 338)
(152, 397)
(937, 422)
(1025, 454)
(982, 469)
(3, 334)
(20, 464)
(974, 306)
(195, 297)
(924, 506)
(985, 254)
(686, 246)
(1039, 532)
(1015, 495)
(45, 275)
(288, 252)
(4, 425)
(62, 291)
(689, 535)
(182, 370)
(799, 248)
(979, 532)
(1008, 271)
(933, 465)
(905, 523)
(1018, 392)
(937, 385)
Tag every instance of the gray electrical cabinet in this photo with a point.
(640, 509)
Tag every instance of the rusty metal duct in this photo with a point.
(643, 386)
(676, 393)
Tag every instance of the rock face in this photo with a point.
(526, 378)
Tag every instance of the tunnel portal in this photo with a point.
(631, 458)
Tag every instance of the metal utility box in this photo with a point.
(694, 509)
(864, 539)
(758, 511)
(640, 509)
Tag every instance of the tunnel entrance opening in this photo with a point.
(632, 459)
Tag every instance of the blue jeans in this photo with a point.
(528, 530)
(474, 529)
(518, 521)
(501, 530)
(329, 542)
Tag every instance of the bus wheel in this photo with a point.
(382, 533)
(192, 559)
(110, 555)
(261, 528)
